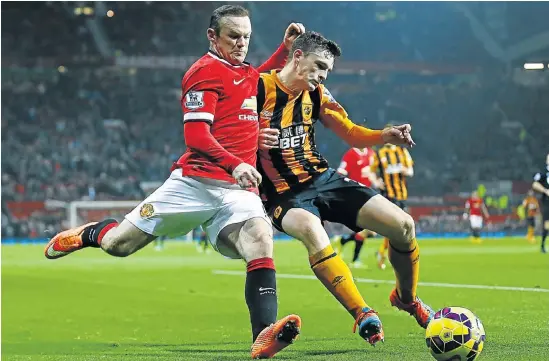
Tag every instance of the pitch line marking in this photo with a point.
(426, 284)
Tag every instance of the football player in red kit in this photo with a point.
(213, 183)
(474, 210)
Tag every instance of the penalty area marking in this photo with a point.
(427, 284)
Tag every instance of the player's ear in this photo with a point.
(298, 56)
(210, 33)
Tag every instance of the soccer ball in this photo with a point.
(455, 334)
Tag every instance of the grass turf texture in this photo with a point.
(170, 305)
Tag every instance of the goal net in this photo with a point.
(81, 212)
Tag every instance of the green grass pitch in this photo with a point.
(171, 305)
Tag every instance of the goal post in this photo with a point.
(80, 212)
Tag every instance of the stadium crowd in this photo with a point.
(96, 133)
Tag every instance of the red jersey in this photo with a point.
(224, 95)
(474, 205)
(356, 164)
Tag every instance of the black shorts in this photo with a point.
(531, 221)
(399, 204)
(329, 196)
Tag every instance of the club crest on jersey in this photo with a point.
(307, 111)
(194, 100)
(146, 211)
(250, 104)
(277, 212)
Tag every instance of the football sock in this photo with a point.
(358, 247)
(350, 237)
(92, 235)
(543, 236)
(260, 293)
(530, 233)
(336, 276)
(406, 266)
(359, 237)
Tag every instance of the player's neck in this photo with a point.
(285, 76)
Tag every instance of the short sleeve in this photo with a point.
(537, 177)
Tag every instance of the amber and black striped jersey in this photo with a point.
(531, 205)
(390, 161)
(297, 159)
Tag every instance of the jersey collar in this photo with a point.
(214, 55)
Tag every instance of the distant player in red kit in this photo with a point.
(210, 184)
(356, 164)
(474, 210)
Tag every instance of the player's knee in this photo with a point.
(256, 240)
(406, 232)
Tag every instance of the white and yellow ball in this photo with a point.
(455, 334)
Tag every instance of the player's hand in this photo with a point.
(246, 176)
(292, 32)
(547, 192)
(268, 138)
(465, 216)
(398, 135)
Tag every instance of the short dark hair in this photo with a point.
(223, 11)
(311, 41)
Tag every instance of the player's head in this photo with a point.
(530, 193)
(474, 194)
(312, 57)
(229, 33)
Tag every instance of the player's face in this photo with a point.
(233, 39)
(312, 69)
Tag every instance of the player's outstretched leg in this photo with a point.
(87, 235)
(330, 269)
(387, 219)
(118, 240)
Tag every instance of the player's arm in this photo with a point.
(334, 117)
(279, 57)
(408, 163)
(375, 168)
(538, 187)
(198, 101)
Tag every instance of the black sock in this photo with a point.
(358, 247)
(348, 238)
(261, 294)
(543, 236)
(90, 237)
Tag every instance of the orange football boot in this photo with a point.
(422, 312)
(66, 242)
(276, 337)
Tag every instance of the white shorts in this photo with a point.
(183, 203)
(476, 221)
